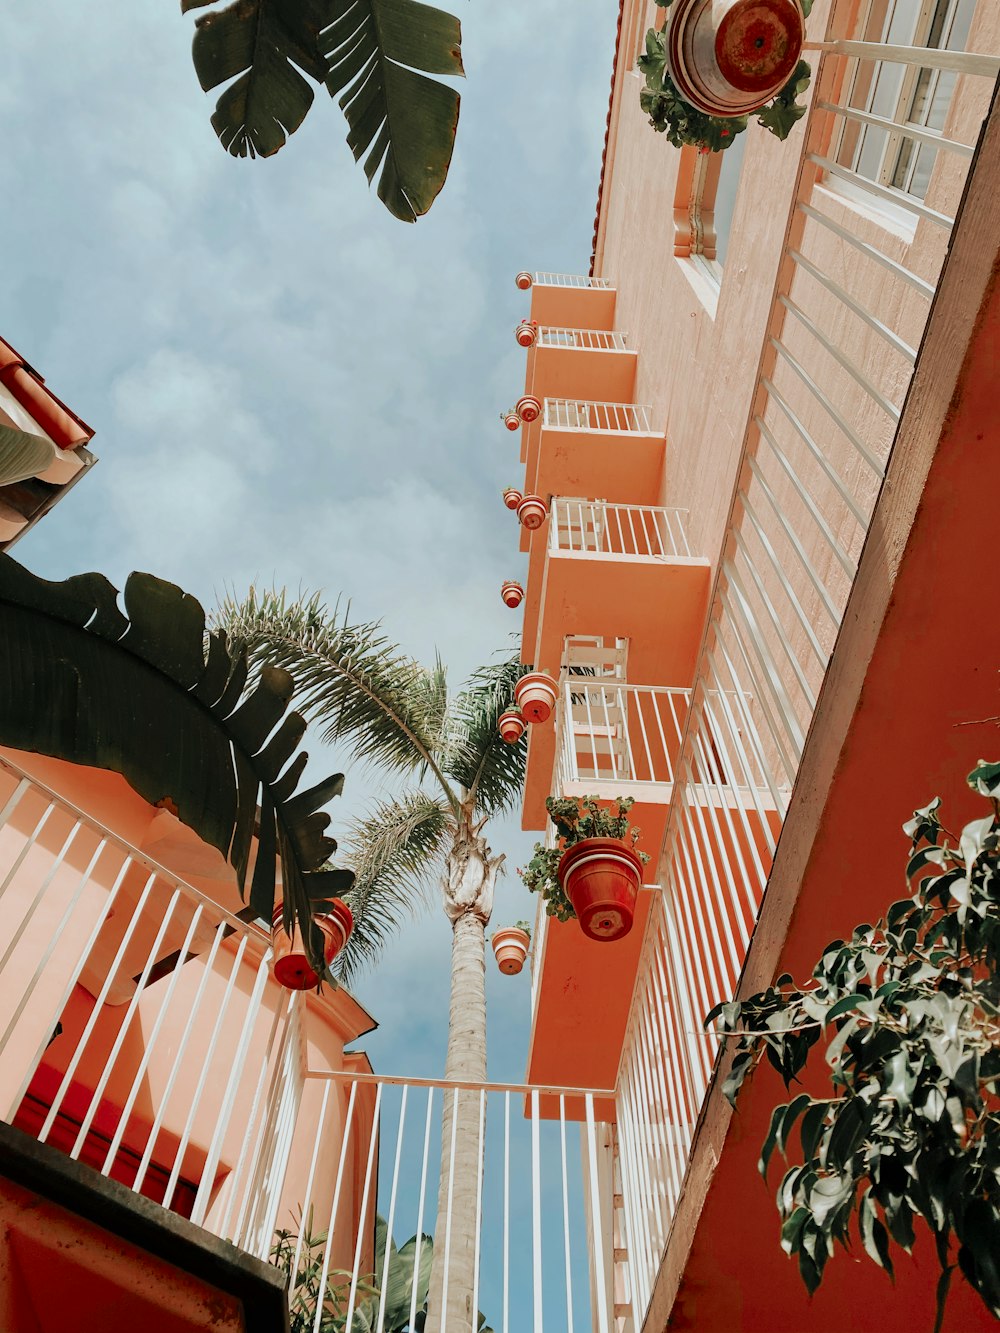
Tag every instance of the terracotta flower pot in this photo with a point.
(526, 333)
(292, 968)
(728, 57)
(532, 512)
(510, 726)
(523, 281)
(510, 945)
(528, 408)
(511, 420)
(512, 497)
(536, 695)
(512, 593)
(601, 878)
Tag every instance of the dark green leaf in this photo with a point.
(404, 121)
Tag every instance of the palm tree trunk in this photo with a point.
(468, 901)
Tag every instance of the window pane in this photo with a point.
(725, 196)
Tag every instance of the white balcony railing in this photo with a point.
(598, 528)
(138, 1031)
(617, 740)
(847, 318)
(591, 340)
(602, 418)
(568, 280)
(536, 1251)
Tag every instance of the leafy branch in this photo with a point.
(909, 1008)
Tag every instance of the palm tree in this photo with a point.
(396, 713)
(374, 54)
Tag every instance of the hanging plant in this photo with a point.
(684, 125)
(578, 821)
(909, 1013)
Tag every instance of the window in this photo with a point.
(704, 204)
(903, 95)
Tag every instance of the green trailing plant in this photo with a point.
(684, 125)
(525, 926)
(575, 818)
(909, 1011)
(142, 689)
(373, 55)
(382, 1299)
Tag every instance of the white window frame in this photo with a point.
(896, 143)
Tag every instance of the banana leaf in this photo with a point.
(374, 54)
(143, 690)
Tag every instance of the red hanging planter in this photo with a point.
(601, 878)
(512, 593)
(511, 420)
(528, 408)
(512, 497)
(536, 695)
(526, 332)
(523, 281)
(510, 725)
(730, 57)
(510, 947)
(292, 968)
(532, 512)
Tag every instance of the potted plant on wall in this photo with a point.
(523, 281)
(536, 693)
(511, 593)
(532, 512)
(526, 332)
(510, 419)
(753, 69)
(510, 725)
(292, 968)
(528, 408)
(594, 871)
(511, 945)
(512, 497)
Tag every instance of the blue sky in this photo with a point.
(287, 384)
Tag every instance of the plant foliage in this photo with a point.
(575, 818)
(374, 54)
(383, 1299)
(685, 125)
(909, 1012)
(142, 690)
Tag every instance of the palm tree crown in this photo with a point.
(396, 714)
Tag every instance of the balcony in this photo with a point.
(615, 739)
(577, 572)
(142, 1033)
(581, 363)
(572, 300)
(587, 448)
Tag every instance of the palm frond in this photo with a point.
(395, 852)
(486, 766)
(349, 678)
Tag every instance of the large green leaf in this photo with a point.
(404, 121)
(23, 454)
(263, 47)
(146, 693)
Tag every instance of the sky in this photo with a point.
(288, 385)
